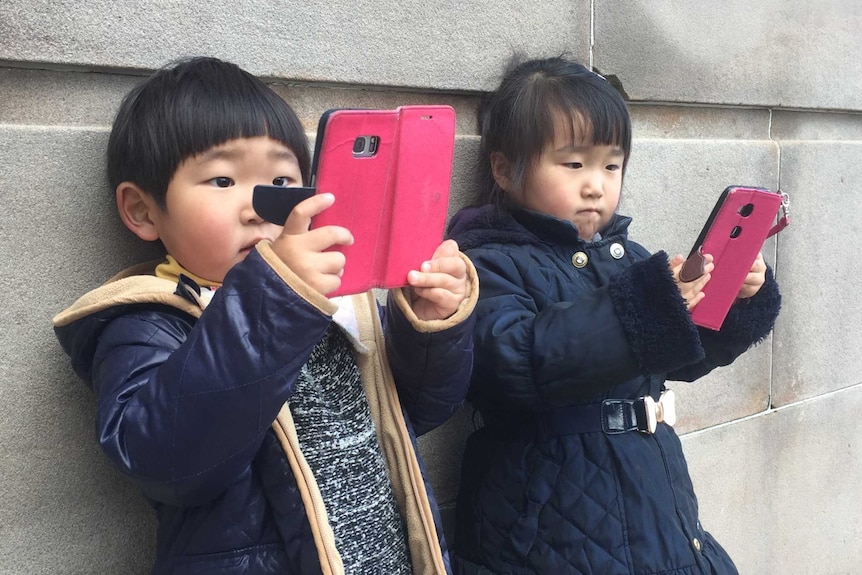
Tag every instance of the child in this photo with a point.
(577, 330)
(268, 437)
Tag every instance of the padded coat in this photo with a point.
(550, 335)
(191, 407)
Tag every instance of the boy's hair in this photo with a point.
(518, 118)
(187, 108)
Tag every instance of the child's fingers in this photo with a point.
(694, 301)
(320, 239)
(448, 248)
(299, 219)
(330, 262)
(439, 298)
(326, 284)
(759, 265)
(451, 265)
(437, 280)
(698, 284)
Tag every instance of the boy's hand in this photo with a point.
(755, 278)
(303, 250)
(691, 292)
(440, 286)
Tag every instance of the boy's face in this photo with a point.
(209, 224)
(576, 182)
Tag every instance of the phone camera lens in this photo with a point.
(359, 145)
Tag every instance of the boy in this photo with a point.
(270, 435)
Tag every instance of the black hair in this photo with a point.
(518, 118)
(187, 108)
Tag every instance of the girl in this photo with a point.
(577, 330)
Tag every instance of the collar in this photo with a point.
(476, 226)
(564, 232)
(171, 269)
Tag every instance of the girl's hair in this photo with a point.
(187, 108)
(518, 119)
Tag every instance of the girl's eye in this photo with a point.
(574, 165)
(282, 181)
(612, 167)
(221, 182)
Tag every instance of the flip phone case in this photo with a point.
(394, 197)
(274, 203)
(742, 219)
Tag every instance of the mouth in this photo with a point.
(250, 246)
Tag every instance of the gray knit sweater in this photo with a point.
(338, 439)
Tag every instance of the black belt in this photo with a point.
(611, 416)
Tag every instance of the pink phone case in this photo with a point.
(393, 200)
(740, 222)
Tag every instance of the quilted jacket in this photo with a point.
(551, 335)
(191, 406)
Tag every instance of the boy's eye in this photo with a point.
(221, 182)
(282, 181)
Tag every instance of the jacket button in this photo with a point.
(696, 543)
(617, 251)
(580, 259)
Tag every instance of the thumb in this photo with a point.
(676, 260)
(300, 218)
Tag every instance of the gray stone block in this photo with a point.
(460, 46)
(771, 53)
(698, 123)
(780, 490)
(65, 509)
(818, 336)
(51, 98)
(801, 125)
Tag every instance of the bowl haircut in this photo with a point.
(186, 109)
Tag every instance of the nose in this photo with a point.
(247, 213)
(593, 185)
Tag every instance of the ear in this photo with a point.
(138, 210)
(501, 169)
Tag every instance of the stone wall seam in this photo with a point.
(773, 410)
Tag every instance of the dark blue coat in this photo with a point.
(186, 404)
(550, 336)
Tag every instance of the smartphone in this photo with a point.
(375, 129)
(390, 172)
(734, 233)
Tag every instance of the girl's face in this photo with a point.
(575, 182)
(209, 224)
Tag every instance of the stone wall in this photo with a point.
(737, 92)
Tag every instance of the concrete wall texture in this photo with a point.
(736, 92)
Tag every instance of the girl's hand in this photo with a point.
(304, 250)
(755, 278)
(439, 287)
(691, 292)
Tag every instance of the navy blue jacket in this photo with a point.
(189, 408)
(550, 336)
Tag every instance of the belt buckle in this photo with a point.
(662, 410)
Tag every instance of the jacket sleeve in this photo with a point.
(748, 322)
(431, 361)
(183, 409)
(535, 354)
